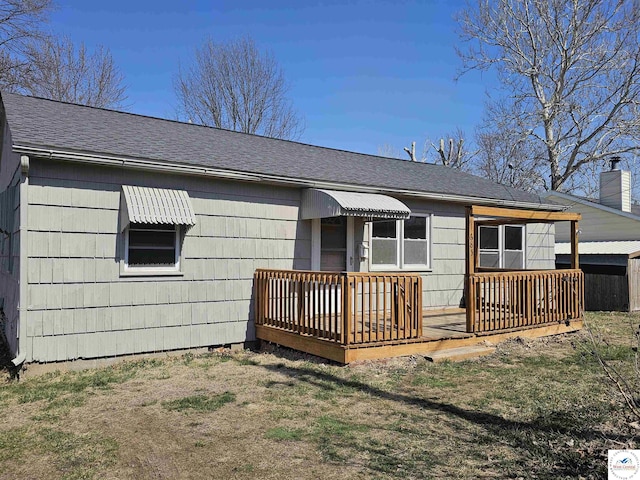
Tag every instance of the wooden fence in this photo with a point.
(343, 307)
(606, 292)
(508, 300)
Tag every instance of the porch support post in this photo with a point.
(470, 268)
(575, 260)
(471, 243)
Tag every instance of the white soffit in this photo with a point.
(156, 206)
(619, 247)
(319, 203)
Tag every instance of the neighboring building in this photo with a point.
(609, 243)
(125, 234)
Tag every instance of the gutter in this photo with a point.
(22, 281)
(151, 165)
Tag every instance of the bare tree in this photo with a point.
(411, 152)
(570, 74)
(389, 151)
(60, 71)
(505, 154)
(508, 160)
(21, 23)
(235, 86)
(452, 152)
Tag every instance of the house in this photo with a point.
(609, 242)
(125, 234)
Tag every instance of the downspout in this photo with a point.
(22, 279)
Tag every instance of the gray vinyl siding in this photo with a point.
(596, 224)
(81, 307)
(541, 246)
(10, 245)
(10, 273)
(444, 285)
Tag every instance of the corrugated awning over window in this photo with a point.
(317, 203)
(155, 206)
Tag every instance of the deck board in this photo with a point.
(444, 325)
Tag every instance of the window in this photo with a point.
(152, 247)
(502, 246)
(384, 242)
(401, 244)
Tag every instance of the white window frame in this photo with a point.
(400, 264)
(501, 245)
(131, 270)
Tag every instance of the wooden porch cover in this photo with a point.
(560, 301)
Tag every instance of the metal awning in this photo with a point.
(317, 203)
(630, 248)
(155, 206)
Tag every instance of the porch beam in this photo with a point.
(512, 221)
(517, 214)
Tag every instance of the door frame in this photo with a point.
(350, 261)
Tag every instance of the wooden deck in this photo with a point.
(441, 330)
(347, 316)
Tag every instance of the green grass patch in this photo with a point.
(284, 434)
(328, 425)
(13, 442)
(246, 361)
(335, 437)
(52, 386)
(431, 381)
(200, 403)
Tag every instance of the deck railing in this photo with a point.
(508, 300)
(343, 307)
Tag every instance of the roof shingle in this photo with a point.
(37, 122)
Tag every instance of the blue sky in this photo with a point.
(362, 73)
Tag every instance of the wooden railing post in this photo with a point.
(529, 302)
(258, 318)
(345, 331)
(418, 306)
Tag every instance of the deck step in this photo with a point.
(459, 354)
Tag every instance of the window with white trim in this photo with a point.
(502, 246)
(152, 247)
(401, 244)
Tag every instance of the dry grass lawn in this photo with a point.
(534, 409)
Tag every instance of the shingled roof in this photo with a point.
(47, 124)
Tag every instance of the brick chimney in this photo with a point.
(615, 187)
